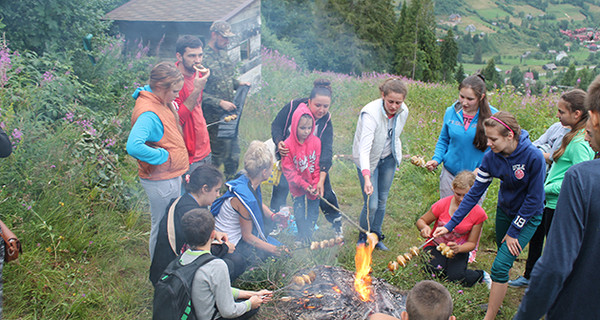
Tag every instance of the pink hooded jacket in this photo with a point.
(301, 165)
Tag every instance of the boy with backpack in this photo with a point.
(196, 285)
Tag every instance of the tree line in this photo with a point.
(356, 36)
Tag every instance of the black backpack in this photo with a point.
(173, 292)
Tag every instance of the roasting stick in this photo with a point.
(361, 229)
(426, 242)
(213, 123)
(371, 237)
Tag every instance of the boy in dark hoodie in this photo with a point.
(521, 167)
(301, 169)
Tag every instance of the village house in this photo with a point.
(158, 24)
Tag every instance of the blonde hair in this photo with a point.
(463, 180)
(164, 75)
(257, 158)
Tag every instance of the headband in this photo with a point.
(504, 124)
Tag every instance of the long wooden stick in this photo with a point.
(352, 222)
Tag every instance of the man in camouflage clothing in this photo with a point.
(219, 94)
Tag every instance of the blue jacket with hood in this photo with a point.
(455, 145)
(521, 194)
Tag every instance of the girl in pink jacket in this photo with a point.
(301, 169)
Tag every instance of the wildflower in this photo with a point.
(439, 267)
(83, 294)
(16, 136)
(460, 292)
(52, 166)
(91, 241)
(49, 249)
(62, 204)
(283, 275)
(39, 244)
(47, 76)
(433, 275)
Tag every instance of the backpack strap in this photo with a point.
(188, 271)
(171, 226)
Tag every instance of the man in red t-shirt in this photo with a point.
(189, 55)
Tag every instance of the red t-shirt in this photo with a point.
(195, 133)
(461, 233)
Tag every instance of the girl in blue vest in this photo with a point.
(521, 168)
(240, 212)
(377, 151)
(462, 141)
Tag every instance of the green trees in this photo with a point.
(355, 36)
(449, 55)
(492, 76)
(338, 35)
(53, 25)
(417, 54)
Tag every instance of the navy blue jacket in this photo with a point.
(564, 282)
(521, 194)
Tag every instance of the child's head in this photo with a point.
(592, 104)
(501, 130)
(428, 300)
(258, 160)
(461, 184)
(205, 181)
(198, 227)
(305, 127)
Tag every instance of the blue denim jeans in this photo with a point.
(306, 212)
(381, 178)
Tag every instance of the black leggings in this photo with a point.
(454, 269)
(536, 244)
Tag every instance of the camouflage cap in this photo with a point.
(223, 28)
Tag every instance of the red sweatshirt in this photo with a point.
(193, 123)
(301, 165)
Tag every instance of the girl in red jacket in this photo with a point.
(301, 169)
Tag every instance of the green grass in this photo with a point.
(85, 239)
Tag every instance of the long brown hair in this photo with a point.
(506, 123)
(477, 84)
(575, 100)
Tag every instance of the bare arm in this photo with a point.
(246, 226)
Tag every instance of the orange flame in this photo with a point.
(362, 283)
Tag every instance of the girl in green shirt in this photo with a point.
(574, 149)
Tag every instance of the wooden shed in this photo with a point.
(159, 23)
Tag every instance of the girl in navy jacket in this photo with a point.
(521, 168)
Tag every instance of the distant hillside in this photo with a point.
(516, 25)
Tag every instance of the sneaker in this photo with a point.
(381, 246)
(520, 282)
(487, 280)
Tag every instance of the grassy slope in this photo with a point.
(414, 189)
(85, 259)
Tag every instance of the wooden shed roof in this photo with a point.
(178, 10)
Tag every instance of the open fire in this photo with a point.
(332, 295)
(362, 260)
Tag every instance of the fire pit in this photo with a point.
(331, 295)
